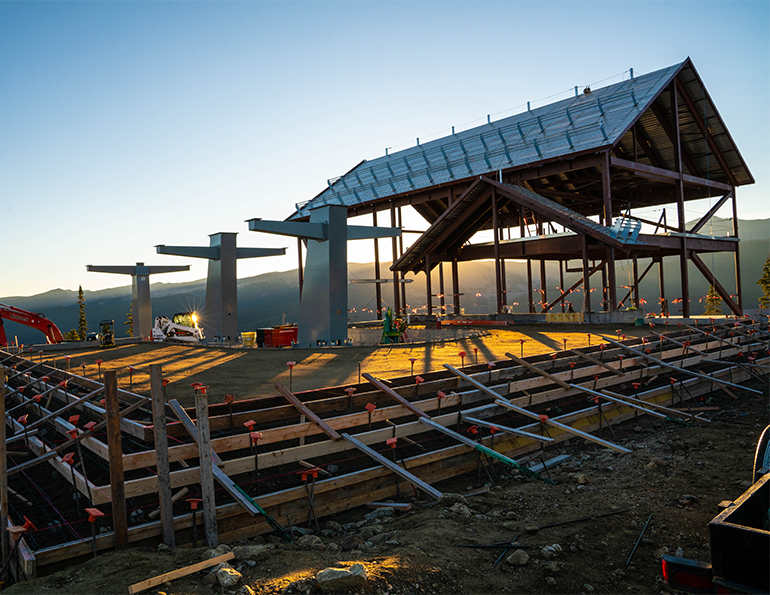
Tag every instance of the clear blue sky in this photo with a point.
(129, 124)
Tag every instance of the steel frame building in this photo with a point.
(561, 183)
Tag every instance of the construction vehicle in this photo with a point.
(38, 321)
(182, 328)
(107, 333)
(740, 541)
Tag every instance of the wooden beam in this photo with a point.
(667, 174)
(190, 427)
(206, 469)
(117, 492)
(303, 409)
(506, 429)
(179, 573)
(597, 362)
(394, 467)
(161, 449)
(67, 407)
(391, 393)
(537, 370)
(711, 278)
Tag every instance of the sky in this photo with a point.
(124, 125)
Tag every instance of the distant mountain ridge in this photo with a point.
(263, 300)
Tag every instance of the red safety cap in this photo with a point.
(63, 383)
(291, 364)
(68, 458)
(473, 430)
(370, 407)
(228, 399)
(44, 379)
(74, 419)
(350, 391)
(196, 384)
(493, 429)
(203, 389)
(194, 502)
(391, 442)
(16, 532)
(73, 433)
(462, 354)
(37, 398)
(99, 362)
(491, 365)
(23, 419)
(412, 359)
(255, 436)
(419, 379)
(93, 514)
(165, 381)
(28, 525)
(440, 394)
(90, 425)
(543, 418)
(636, 385)
(249, 424)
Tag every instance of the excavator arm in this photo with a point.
(38, 321)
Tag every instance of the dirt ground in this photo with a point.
(676, 473)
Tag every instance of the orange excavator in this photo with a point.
(38, 321)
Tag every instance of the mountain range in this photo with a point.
(269, 299)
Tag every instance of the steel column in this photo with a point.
(738, 287)
(394, 249)
(377, 286)
(456, 286)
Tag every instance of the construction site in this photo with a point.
(568, 445)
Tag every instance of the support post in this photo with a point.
(561, 283)
(3, 472)
(611, 284)
(738, 288)
(401, 251)
(496, 232)
(636, 281)
(442, 302)
(586, 277)
(115, 451)
(377, 286)
(662, 282)
(456, 286)
(396, 276)
(161, 448)
(428, 289)
(683, 255)
(206, 470)
(529, 287)
(300, 271)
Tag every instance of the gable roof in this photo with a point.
(589, 122)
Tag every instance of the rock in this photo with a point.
(392, 543)
(461, 509)
(352, 542)
(658, 462)
(518, 558)
(250, 563)
(532, 529)
(380, 513)
(250, 552)
(309, 541)
(510, 525)
(333, 547)
(581, 479)
(553, 567)
(511, 516)
(162, 547)
(745, 484)
(210, 579)
(660, 552)
(331, 580)
(217, 551)
(450, 498)
(333, 526)
(650, 466)
(383, 537)
(588, 588)
(228, 577)
(690, 498)
(550, 551)
(366, 533)
(550, 581)
(679, 553)
(245, 590)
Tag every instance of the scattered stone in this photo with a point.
(553, 567)
(333, 547)
(352, 542)
(679, 553)
(210, 579)
(511, 515)
(162, 547)
(510, 525)
(380, 513)
(550, 551)
(366, 533)
(518, 558)
(550, 581)
(217, 551)
(745, 484)
(250, 563)
(461, 509)
(658, 462)
(250, 552)
(690, 498)
(331, 580)
(581, 479)
(383, 537)
(333, 526)
(660, 552)
(451, 498)
(309, 541)
(588, 588)
(532, 529)
(228, 577)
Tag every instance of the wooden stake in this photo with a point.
(161, 449)
(115, 449)
(206, 469)
(170, 576)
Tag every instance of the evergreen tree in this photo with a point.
(130, 321)
(764, 283)
(82, 322)
(72, 335)
(713, 301)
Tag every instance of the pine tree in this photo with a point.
(72, 335)
(764, 283)
(82, 322)
(713, 301)
(130, 321)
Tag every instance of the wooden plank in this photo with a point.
(174, 574)
(115, 444)
(67, 407)
(206, 469)
(161, 448)
(537, 370)
(507, 430)
(330, 432)
(391, 393)
(192, 429)
(394, 467)
(597, 362)
(566, 428)
(679, 369)
(621, 400)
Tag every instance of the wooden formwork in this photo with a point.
(286, 440)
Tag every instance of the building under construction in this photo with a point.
(561, 184)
